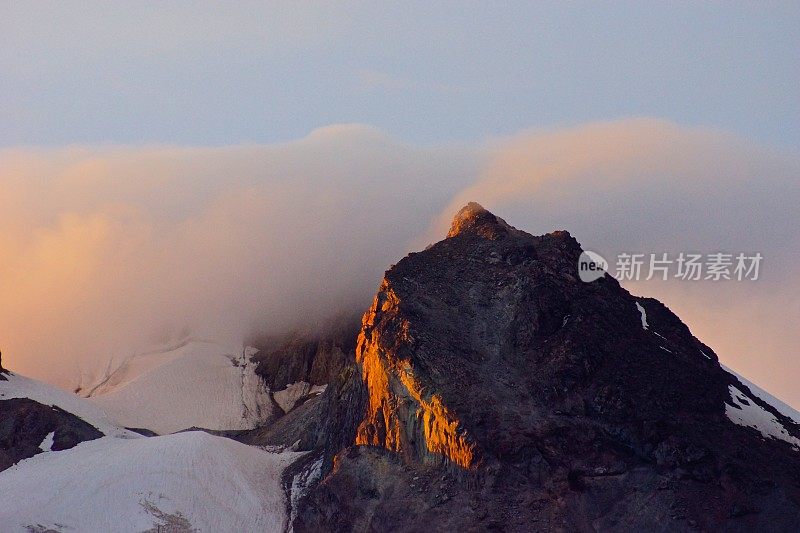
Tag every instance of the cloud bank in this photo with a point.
(108, 249)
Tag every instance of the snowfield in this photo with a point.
(182, 482)
(190, 481)
(197, 384)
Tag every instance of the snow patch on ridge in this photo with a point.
(745, 412)
(779, 406)
(288, 397)
(47, 443)
(300, 485)
(643, 314)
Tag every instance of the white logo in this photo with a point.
(591, 266)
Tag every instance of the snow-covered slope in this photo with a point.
(16, 386)
(197, 384)
(189, 481)
(743, 410)
(781, 407)
(183, 482)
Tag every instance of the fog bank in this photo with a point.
(107, 250)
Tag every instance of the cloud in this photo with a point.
(107, 248)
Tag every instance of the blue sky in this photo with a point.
(201, 73)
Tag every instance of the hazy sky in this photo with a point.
(213, 73)
(213, 165)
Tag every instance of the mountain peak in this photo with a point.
(487, 370)
(474, 217)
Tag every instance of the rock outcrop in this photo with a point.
(25, 425)
(498, 391)
(315, 357)
(402, 414)
(320, 423)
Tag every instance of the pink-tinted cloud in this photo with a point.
(107, 248)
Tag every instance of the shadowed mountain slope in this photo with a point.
(501, 392)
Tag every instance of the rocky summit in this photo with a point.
(490, 388)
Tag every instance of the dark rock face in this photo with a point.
(24, 424)
(323, 424)
(316, 358)
(498, 391)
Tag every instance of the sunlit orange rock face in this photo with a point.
(402, 415)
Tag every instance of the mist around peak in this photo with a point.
(111, 251)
